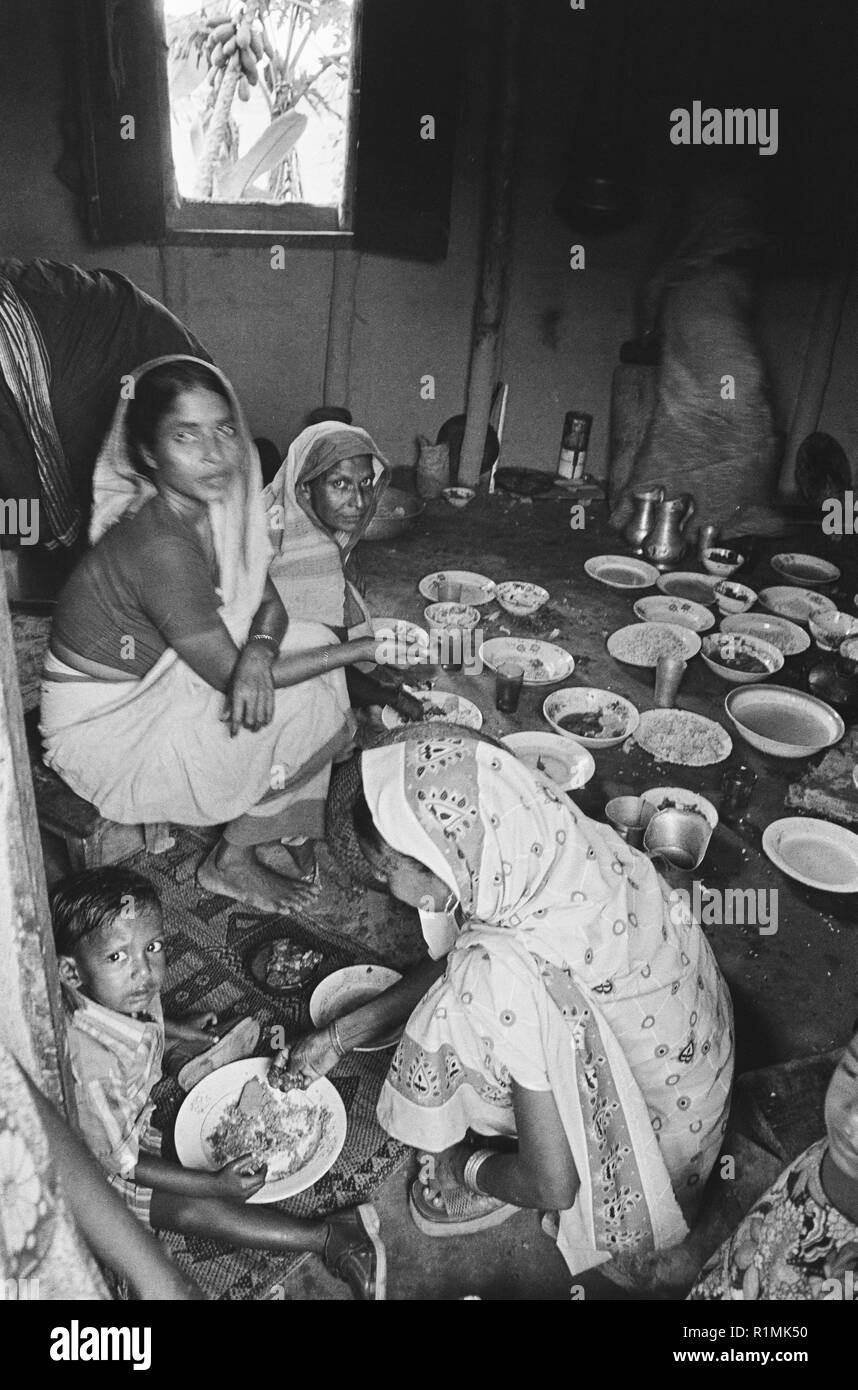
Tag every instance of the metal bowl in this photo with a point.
(680, 837)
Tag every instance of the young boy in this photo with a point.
(109, 939)
(800, 1240)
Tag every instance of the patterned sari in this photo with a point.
(570, 975)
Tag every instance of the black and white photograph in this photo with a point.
(429, 668)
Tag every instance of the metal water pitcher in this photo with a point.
(643, 517)
(665, 544)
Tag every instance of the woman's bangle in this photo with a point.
(336, 1040)
(264, 637)
(472, 1168)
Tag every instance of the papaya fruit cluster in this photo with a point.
(237, 46)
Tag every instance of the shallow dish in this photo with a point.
(699, 588)
(521, 599)
(456, 710)
(203, 1107)
(345, 990)
(733, 598)
(681, 612)
(719, 649)
(544, 664)
(621, 571)
(807, 570)
(476, 588)
(400, 629)
(256, 964)
(779, 632)
(458, 496)
(722, 562)
(662, 798)
(618, 716)
(815, 852)
(681, 737)
(783, 723)
(799, 605)
(641, 644)
(830, 629)
(566, 762)
(451, 616)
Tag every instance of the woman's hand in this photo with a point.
(250, 695)
(408, 706)
(239, 1179)
(306, 1061)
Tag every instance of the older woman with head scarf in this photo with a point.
(579, 1011)
(319, 506)
(173, 690)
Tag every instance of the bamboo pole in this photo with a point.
(492, 297)
(341, 317)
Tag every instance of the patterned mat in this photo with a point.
(209, 940)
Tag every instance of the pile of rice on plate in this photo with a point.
(641, 644)
(678, 736)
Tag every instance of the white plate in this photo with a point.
(807, 570)
(656, 723)
(796, 604)
(681, 612)
(205, 1104)
(520, 598)
(685, 800)
(621, 571)
(476, 588)
(345, 991)
(698, 588)
(622, 644)
(568, 765)
(457, 710)
(589, 700)
(801, 845)
(544, 664)
(400, 632)
(788, 637)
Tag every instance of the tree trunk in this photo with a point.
(216, 133)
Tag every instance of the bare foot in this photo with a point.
(235, 872)
(296, 862)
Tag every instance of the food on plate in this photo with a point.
(290, 966)
(607, 722)
(643, 648)
(283, 1131)
(678, 736)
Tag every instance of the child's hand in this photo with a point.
(241, 1178)
(197, 1028)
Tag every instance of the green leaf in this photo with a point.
(270, 149)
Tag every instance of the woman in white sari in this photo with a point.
(578, 1011)
(173, 690)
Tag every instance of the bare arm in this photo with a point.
(112, 1232)
(542, 1173)
(391, 1008)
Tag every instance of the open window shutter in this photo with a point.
(409, 69)
(120, 55)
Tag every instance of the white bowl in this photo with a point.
(622, 716)
(520, 598)
(830, 629)
(789, 638)
(734, 598)
(717, 560)
(681, 612)
(456, 710)
(714, 648)
(458, 496)
(811, 723)
(452, 616)
(684, 799)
